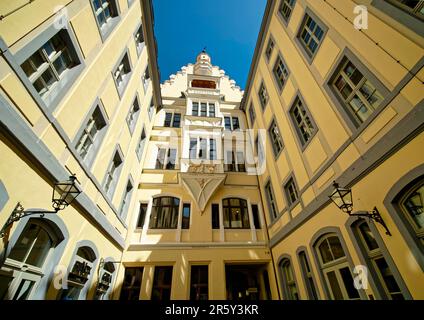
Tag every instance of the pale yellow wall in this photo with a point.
(95, 81)
(333, 132)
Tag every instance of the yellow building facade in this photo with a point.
(200, 233)
(79, 85)
(339, 86)
(196, 189)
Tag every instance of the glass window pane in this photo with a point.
(348, 283)
(41, 248)
(24, 290)
(388, 278)
(325, 252)
(334, 285)
(414, 207)
(24, 243)
(367, 235)
(336, 247)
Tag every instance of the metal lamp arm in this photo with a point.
(19, 213)
(374, 215)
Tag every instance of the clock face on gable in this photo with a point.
(203, 84)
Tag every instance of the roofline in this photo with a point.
(258, 49)
(152, 48)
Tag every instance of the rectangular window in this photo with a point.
(160, 160)
(171, 159)
(166, 158)
(269, 49)
(255, 214)
(168, 119)
(291, 192)
(358, 94)
(193, 148)
(185, 224)
(162, 282)
(176, 122)
(212, 149)
(272, 205)
(139, 39)
(203, 109)
(132, 115)
(252, 114)
(207, 109)
(236, 123)
(203, 147)
(48, 66)
(141, 143)
(122, 73)
(195, 109)
(199, 283)
(276, 139)
(211, 110)
(142, 215)
(263, 96)
(311, 34)
(106, 13)
(126, 199)
(230, 162)
(151, 110)
(173, 119)
(241, 167)
(260, 150)
(145, 79)
(286, 9)
(231, 123)
(235, 214)
(132, 284)
(165, 212)
(227, 123)
(112, 174)
(281, 73)
(90, 138)
(215, 216)
(303, 122)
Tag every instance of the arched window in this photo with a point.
(164, 213)
(411, 204)
(79, 275)
(376, 260)
(104, 281)
(27, 258)
(289, 282)
(236, 215)
(335, 268)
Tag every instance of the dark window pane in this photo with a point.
(334, 285)
(325, 252)
(132, 284)
(199, 283)
(215, 216)
(142, 215)
(255, 213)
(336, 247)
(348, 282)
(368, 236)
(162, 284)
(186, 216)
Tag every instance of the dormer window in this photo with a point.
(207, 84)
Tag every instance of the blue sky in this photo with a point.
(228, 29)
